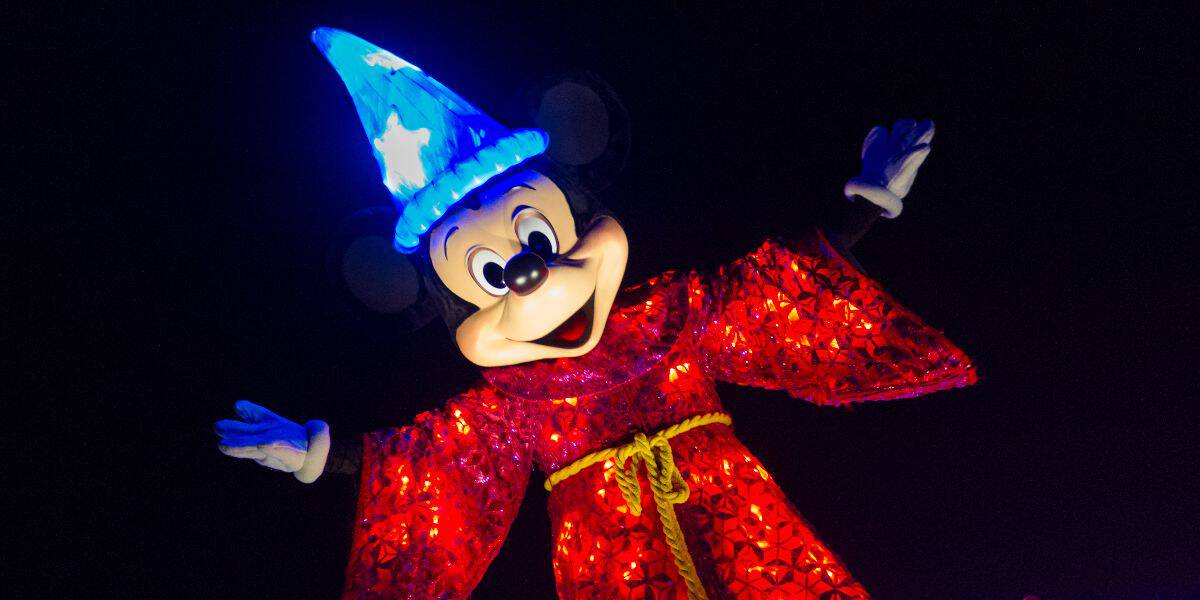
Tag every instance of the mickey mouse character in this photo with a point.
(608, 390)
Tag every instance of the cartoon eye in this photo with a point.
(487, 268)
(535, 233)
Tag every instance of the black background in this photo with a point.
(190, 166)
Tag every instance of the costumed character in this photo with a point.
(608, 389)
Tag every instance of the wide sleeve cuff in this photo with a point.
(798, 316)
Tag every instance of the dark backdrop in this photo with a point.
(193, 164)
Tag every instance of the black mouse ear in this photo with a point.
(588, 125)
(371, 276)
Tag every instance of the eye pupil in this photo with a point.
(541, 245)
(494, 274)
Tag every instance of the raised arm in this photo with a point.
(801, 316)
(890, 161)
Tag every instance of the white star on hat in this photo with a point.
(401, 152)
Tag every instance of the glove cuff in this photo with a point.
(318, 451)
(875, 194)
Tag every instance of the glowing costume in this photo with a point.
(651, 495)
(438, 497)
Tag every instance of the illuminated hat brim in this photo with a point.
(431, 202)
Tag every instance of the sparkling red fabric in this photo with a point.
(437, 497)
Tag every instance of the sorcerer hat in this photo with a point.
(433, 147)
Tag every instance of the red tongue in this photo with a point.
(573, 328)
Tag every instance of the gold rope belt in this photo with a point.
(666, 482)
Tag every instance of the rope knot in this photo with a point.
(665, 479)
(666, 482)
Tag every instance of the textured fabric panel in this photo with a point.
(436, 500)
(746, 540)
(800, 318)
(438, 497)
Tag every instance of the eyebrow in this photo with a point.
(446, 240)
(522, 206)
(521, 185)
(518, 209)
(445, 252)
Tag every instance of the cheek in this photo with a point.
(606, 239)
(479, 342)
(471, 334)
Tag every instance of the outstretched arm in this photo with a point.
(802, 317)
(275, 442)
(890, 164)
(436, 498)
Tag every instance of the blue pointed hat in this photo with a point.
(432, 146)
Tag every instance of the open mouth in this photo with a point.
(573, 332)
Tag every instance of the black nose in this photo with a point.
(525, 272)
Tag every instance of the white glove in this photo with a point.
(275, 442)
(890, 163)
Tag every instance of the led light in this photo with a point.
(433, 147)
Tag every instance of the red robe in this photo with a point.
(437, 497)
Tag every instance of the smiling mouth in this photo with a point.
(573, 332)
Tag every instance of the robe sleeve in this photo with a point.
(799, 317)
(436, 500)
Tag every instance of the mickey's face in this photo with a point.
(542, 291)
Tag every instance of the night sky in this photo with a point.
(185, 173)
